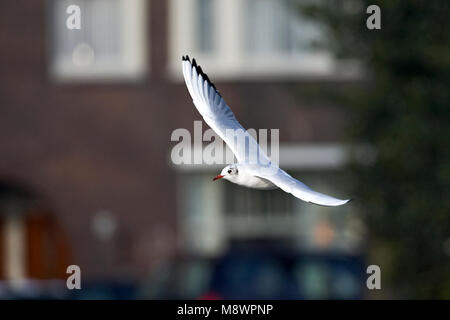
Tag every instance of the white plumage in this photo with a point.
(252, 169)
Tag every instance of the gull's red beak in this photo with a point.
(217, 177)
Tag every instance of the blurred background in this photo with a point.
(86, 177)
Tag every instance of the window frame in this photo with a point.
(228, 60)
(133, 59)
(208, 231)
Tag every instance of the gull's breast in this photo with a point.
(256, 183)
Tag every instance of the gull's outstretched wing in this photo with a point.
(218, 115)
(221, 119)
(300, 190)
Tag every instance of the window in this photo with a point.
(275, 27)
(251, 39)
(205, 25)
(110, 45)
(212, 214)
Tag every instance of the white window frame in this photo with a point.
(293, 156)
(228, 60)
(14, 247)
(133, 43)
(204, 233)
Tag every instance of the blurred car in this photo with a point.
(259, 271)
(56, 289)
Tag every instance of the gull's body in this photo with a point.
(246, 179)
(247, 173)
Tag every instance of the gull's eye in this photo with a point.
(229, 171)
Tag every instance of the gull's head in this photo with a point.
(228, 173)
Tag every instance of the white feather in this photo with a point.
(219, 117)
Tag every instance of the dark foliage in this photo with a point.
(403, 111)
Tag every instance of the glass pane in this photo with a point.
(205, 25)
(99, 34)
(246, 201)
(276, 26)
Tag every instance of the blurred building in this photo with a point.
(86, 118)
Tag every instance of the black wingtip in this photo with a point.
(200, 72)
